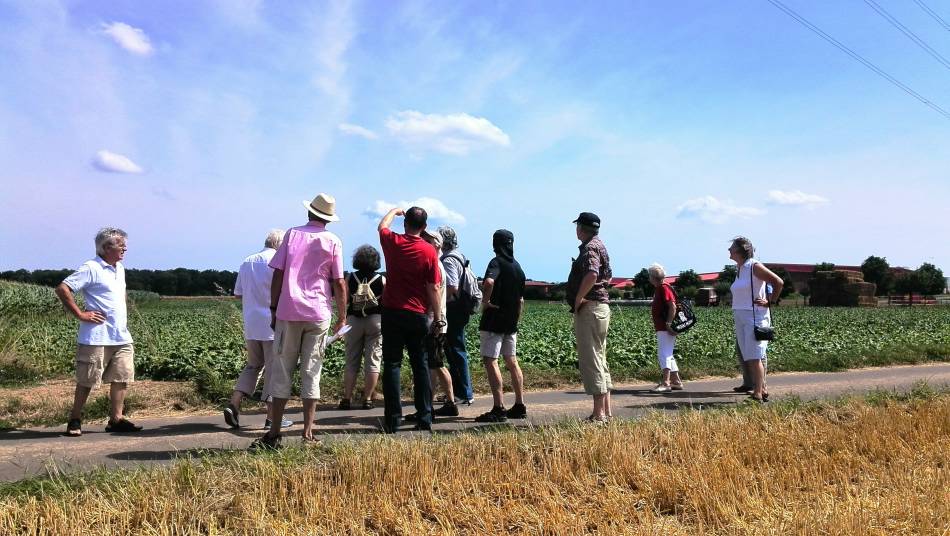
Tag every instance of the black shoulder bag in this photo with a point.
(762, 333)
(684, 318)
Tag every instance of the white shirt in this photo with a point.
(253, 286)
(103, 289)
(742, 288)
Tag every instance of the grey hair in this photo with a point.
(656, 272)
(366, 257)
(274, 238)
(450, 240)
(745, 246)
(106, 236)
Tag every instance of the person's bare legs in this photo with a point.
(675, 378)
(442, 377)
(277, 414)
(607, 412)
(309, 414)
(601, 404)
(517, 378)
(666, 377)
(79, 401)
(370, 379)
(117, 400)
(494, 381)
(758, 377)
(349, 382)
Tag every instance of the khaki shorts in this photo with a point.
(297, 345)
(364, 343)
(96, 365)
(590, 330)
(498, 344)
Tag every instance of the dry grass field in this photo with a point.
(875, 466)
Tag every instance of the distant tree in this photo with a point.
(687, 279)
(907, 283)
(641, 281)
(876, 270)
(930, 279)
(614, 293)
(728, 273)
(722, 289)
(788, 286)
(824, 267)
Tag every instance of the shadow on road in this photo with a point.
(165, 455)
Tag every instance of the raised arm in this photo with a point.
(388, 218)
(65, 295)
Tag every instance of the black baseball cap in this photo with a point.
(589, 219)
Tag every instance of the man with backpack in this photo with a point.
(463, 299)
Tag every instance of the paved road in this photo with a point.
(28, 452)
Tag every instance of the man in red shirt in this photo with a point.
(412, 287)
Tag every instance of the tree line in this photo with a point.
(177, 282)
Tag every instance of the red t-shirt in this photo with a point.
(660, 308)
(411, 264)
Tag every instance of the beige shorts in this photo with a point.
(498, 344)
(297, 345)
(590, 330)
(364, 343)
(96, 365)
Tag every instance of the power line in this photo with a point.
(804, 22)
(933, 14)
(911, 35)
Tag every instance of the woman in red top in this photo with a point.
(663, 310)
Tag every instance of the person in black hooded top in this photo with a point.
(502, 305)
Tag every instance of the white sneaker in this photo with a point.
(662, 389)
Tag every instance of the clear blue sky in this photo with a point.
(198, 125)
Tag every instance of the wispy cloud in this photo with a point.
(130, 38)
(356, 130)
(796, 198)
(455, 134)
(115, 163)
(713, 210)
(435, 208)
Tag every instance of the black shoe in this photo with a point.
(74, 428)
(411, 417)
(518, 411)
(122, 426)
(391, 424)
(742, 388)
(368, 404)
(449, 409)
(497, 414)
(344, 404)
(266, 442)
(422, 427)
(232, 416)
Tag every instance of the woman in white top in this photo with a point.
(750, 308)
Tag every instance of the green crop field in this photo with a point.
(182, 339)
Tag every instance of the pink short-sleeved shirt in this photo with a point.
(311, 258)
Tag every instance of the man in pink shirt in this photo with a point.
(308, 272)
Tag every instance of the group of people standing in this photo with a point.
(421, 305)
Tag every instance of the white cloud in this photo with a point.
(114, 163)
(356, 130)
(455, 134)
(435, 208)
(796, 198)
(129, 37)
(713, 210)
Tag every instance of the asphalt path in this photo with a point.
(37, 451)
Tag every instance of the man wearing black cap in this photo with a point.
(502, 304)
(587, 296)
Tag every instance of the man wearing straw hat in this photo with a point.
(308, 273)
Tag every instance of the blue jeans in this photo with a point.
(456, 353)
(405, 329)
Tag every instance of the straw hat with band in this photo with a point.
(323, 206)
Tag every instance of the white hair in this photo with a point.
(106, 236)
(274, 238)
(656, 272)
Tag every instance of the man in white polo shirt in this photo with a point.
(104, 353)
(253, 287)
